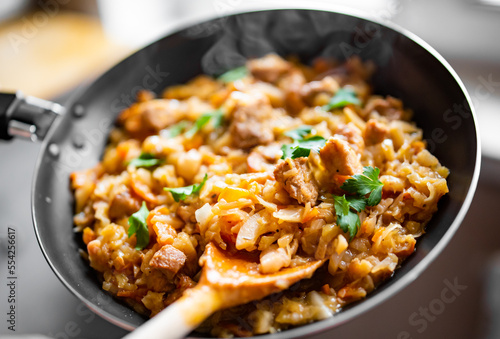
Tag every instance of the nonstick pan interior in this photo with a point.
(406, 68)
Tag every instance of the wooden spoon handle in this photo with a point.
(180, 318)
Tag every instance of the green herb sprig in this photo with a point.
(216, 116)
(145, 160)
(299, 133)
(348, 207)
(181, 193)
(343, 97)
(175, 129)
(138, 226)
(301, 146)
(234, 74)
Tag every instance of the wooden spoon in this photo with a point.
(227, 280)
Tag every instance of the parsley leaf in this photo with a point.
(375, 196)
(288, 149)
(302, 148)
(299, 133)
(349, 223)
(341, 205)
(343, 97)
(198, 124)
(138, 226)
(217, 116)
(365, 183)
(347, 208)
(174, 130)
(145, 160)
(347, 220)
(357, 203)
(234, 74)
(181, 193)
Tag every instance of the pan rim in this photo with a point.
(368, 303)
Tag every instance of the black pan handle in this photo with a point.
(26, 116)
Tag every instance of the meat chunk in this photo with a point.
(123, 204)
(183, 283)
(375, 132)
(158, 114)
(326, 85)
(298, 180)
(248, 127)
(169, 259)
(339, 158)
(291, 83)
(151, 116)
(353, 136)
(391, 108)
(269, 68)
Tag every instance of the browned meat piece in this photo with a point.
(248, 127)
(269, 68)
(353, 136)
(168, 258)
(145, 95)
(298, 180)
(339, 158)
(357, 68)
(291, 83)
(375, 132)
(326, 85)
(159, 114)
(151, 116)
(391, 108)
(122, 205)
(353, 69)
(184, 282)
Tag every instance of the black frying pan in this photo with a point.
(407, 68)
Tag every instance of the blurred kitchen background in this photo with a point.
(49, 48)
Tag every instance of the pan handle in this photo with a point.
(26, 116)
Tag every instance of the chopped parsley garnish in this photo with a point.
(233, 74)
(347, 219)
(181, 193)
(367, 182)
(175, 130)
(138, 226)
(299, 133)
(347, 208)
(343, 97)
(216, 116)
(302, 148)
(145, 160)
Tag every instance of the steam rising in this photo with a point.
(304, 33)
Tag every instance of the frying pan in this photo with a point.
(74, 136)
